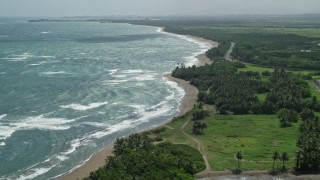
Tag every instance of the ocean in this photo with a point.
(68, 89)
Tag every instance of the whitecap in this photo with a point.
(61, 158)
(144, 77)
(149, 52)
(110, 82)
(80, 107)
(112, 71)
(18, 57)
(180, 91)
(157, 105)
(46, 57)
(2, 144)
(132, 71)
(2, 116)
(133, 75)
(53, 72)
(45, 32)
(35, 173)
(15, 59)
(38, 122)
(74, 144)
(203, 47)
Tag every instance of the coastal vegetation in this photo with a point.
(136, 157)
(260, 110)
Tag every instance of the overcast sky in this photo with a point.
(154, 7)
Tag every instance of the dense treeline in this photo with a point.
(308, 143)
(220, 84)
(233, 92)
(283, 50)
(288, 51)
(287, 95)
(253, 44)
(137, 158)
(236, 92)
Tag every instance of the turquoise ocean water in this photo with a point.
(67, 89)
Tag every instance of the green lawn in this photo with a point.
(255, 68)
(313, 89)
(173, 134)
(257, 136)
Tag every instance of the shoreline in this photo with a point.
(97, 160)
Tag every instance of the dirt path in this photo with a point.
(227, 57)
(200, 149)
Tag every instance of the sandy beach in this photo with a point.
(191, 93)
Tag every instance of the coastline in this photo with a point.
(190, 98)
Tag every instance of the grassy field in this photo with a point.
(255, 68)
(256, 136)
(313, 89)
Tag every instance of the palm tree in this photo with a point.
(284, 157)
(204, 126)
(239, 157)
(275, 157)
(119, 147)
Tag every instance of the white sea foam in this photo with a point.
(203, 47)
(18, 57)
(157, 105)
(95, 124)
(112, 71)
(133, 75)
(149, 52)
(132, 71)
(43, 62)
(47, 57)
(144, 77)
(54, 73)
(74, 144)
(180, 91)
(37, 122)
(2, 144)
(80, 107)
(34, 173)
(144, 116)
(112, 82)
(2, 116)
(45, 32)
(61, 158)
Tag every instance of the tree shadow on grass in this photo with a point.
(237, 171)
